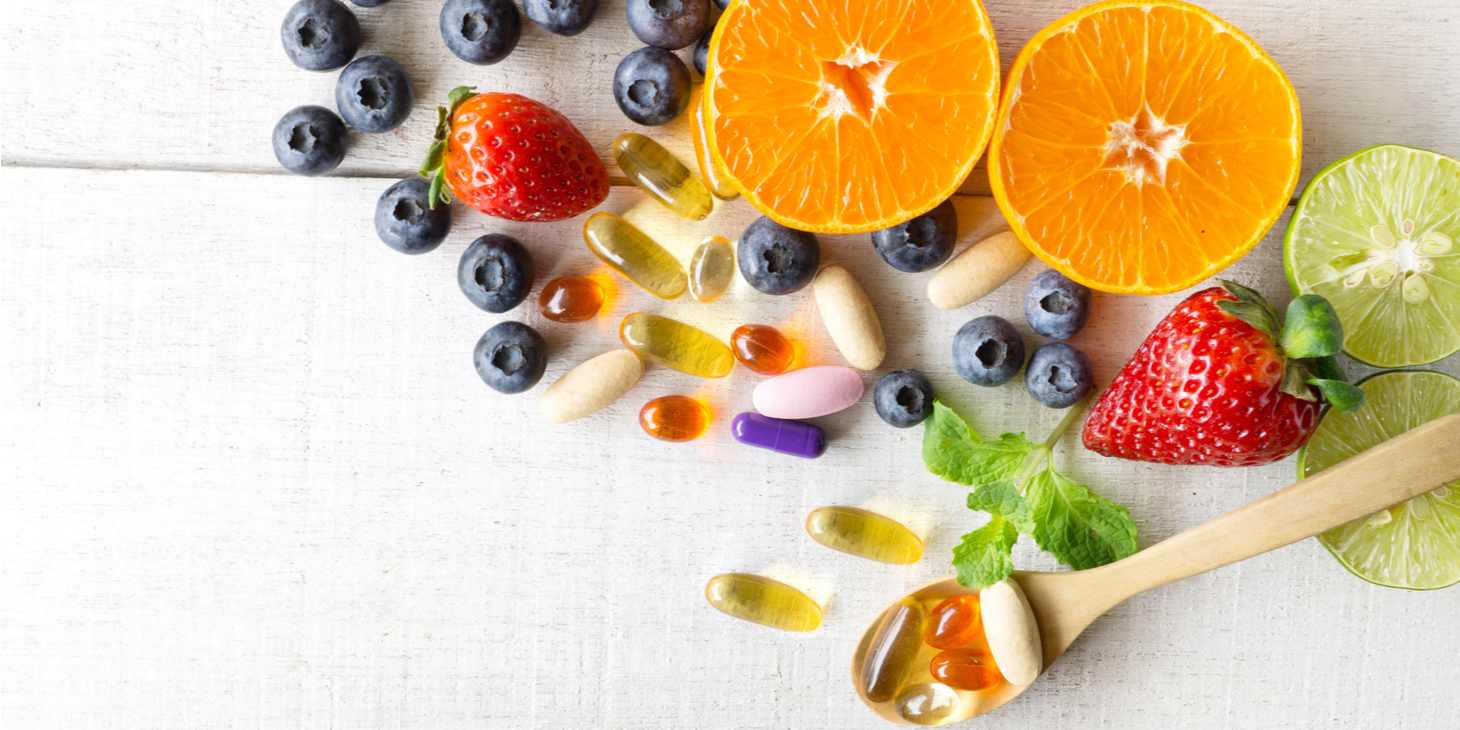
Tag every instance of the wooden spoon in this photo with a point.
(1397, 470)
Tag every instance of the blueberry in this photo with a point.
(921, 243)
(405, 220)
(309, 140)
(1059, 375)
(563, 17)
(904, 398)
(723, 3)
(496, 272)
(775, 259)
(511, 357)
(987, 351)
(374, 94)
(480, 31)
(668, 24)
(651, 86)
(370, 3)
(1055, 306)
(320, 35)
(702, 52)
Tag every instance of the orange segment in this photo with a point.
(1144, 145)
(843, 116)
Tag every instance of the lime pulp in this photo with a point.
(1416, 544)
(1377, 234)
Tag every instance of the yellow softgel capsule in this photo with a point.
(763, 601)
(676, 345)
(711, 269)
(635, 255)
(864, 534)
(660, 174)
(714, 178)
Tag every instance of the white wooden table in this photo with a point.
(252, 481)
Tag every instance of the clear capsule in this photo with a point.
(763, 601)
(710, 173)
(633, 254)
(927, 704)
(864, 534)
(660, 174)
(676, 345)
(711, 269)
(887, 658)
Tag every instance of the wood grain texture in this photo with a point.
(252, 480)
(199, 85)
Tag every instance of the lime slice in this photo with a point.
(1377, 234)
(1413, 545)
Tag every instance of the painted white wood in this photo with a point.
(199, 85)
(251, 480)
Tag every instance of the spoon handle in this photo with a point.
(1399, 469)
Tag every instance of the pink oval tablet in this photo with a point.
(809, 392)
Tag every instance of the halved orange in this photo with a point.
(842, 116)
(1144, 145)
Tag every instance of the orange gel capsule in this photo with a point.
(762, 348)
(675, 418)
(970, 669)
(955, 622)
(570, 299)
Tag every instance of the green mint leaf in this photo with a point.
(1077, 526)
(983, 558)
(1327, 368)
(954, 452)
(1002, 499)
(1250, 313)
(1342, 396)
(1312, 328)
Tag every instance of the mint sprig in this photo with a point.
(1015, 482)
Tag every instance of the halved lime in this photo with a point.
(1414, 545)
(1377, 234)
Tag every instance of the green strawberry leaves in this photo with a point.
(1310, 337)
(436, 156)
(1015, 482)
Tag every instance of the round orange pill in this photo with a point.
(972, 669)
(675, 418)
(955, 622)
(762, 348)
(570, 299)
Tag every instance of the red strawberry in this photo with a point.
(1212, 385)
(511, 157)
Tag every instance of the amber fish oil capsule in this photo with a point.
(676, 345)
(762, 348)
(660, 174)
(571, 299)
(713, 178)
(864, 534)
(711, 269)
(887, 658)
(675, 418)
(763, 601)
(634, 255)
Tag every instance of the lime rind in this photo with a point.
(1377, 234)
(1413, 545)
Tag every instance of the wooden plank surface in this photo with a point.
(253, 481)
(199, 85)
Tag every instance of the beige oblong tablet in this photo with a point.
(849, 318)
(586, 389)
(1012, 632)
(978, 271)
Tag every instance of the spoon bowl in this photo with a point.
(1402, 468)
